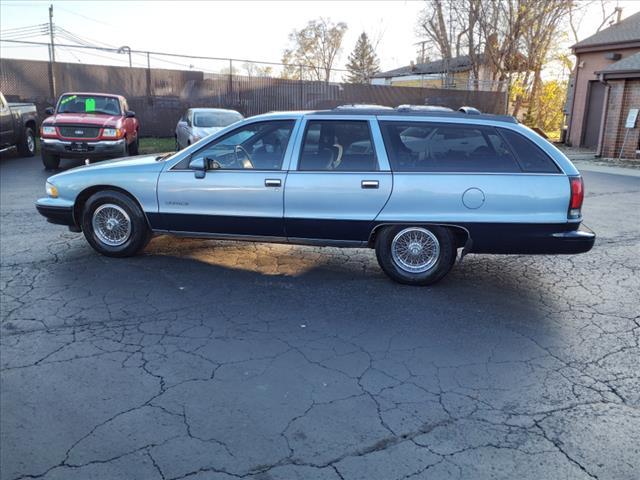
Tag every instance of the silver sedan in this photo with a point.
(197, 123)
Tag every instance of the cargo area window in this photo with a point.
(435, 147)
(338, 145)
(531, 157)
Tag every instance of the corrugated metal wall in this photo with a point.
(160, 96)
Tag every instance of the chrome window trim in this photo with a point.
(515, 174)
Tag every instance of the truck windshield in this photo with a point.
(89, 104)
(215, 119)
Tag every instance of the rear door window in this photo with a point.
(531, 157)
(434, 147)
(338, 145)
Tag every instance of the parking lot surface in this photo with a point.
(211, 360)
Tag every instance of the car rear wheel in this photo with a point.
(114, 225)
(27, 146)
(50, 161)
(415, 255)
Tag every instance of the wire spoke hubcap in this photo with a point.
(111, 224)
(415, 249)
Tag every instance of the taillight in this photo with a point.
(577, 196)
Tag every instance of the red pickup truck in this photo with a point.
(88, 125)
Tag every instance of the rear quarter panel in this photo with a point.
(509, 198)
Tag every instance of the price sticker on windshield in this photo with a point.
(90, 105)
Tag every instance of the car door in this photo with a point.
(241, 191)
(6, 124)
(339, 181)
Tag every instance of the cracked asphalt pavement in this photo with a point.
(211, 360)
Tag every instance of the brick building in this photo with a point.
(603, 87)
(622, 81)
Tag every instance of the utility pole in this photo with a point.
(52, 55)
(53, 50)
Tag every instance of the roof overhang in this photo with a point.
(605, 46)
(619, 75)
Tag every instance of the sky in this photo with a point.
(255, 30)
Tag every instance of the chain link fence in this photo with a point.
(162, 89)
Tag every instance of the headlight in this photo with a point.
(111, 132)
(51, 189)
(48, 130)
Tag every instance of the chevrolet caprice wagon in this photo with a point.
(415, 186)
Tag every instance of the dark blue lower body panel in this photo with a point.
(505, 238)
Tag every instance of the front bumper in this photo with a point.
(57, 215)
(80, 149)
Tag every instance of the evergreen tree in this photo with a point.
(362, 62)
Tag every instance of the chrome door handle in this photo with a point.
(272, 182)
(370, 184)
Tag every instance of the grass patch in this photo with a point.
(151, 145)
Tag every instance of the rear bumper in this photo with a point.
(95, 149)
(57, 215)
(546, 239)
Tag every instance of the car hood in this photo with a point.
(125, 164)
(205, 131)
(84, 119)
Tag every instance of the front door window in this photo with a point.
(257, 146)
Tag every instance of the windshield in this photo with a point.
(89, 104)
(215, 119)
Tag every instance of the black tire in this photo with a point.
(139, 235)
(442, 264)
(50, 161)
(134, 147)
(27, 145)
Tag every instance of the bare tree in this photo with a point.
(314, 50)
(503, 38)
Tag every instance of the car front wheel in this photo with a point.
(50, 161)
(114, 225)
(134, 147)
(416, 255)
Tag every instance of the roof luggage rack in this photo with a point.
(423, 108)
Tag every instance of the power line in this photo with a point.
(175, 55)
(84, 16)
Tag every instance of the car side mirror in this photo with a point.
(130, 114)
(49, 110)
(199, 167)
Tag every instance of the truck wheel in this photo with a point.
(50, 161)
(114, 225)
(415, 255)
(27, 145)
(134, 147)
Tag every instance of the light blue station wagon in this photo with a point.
(416, 186)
